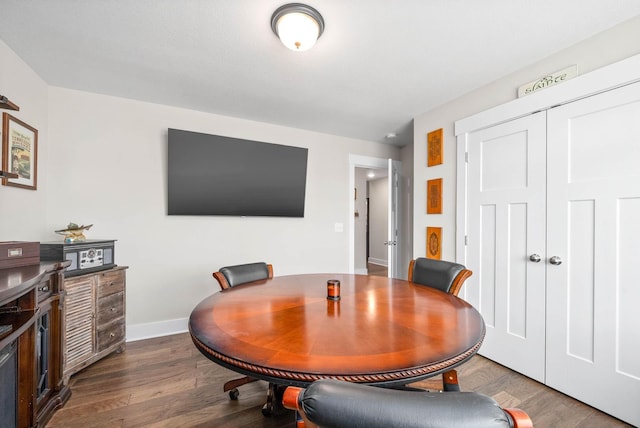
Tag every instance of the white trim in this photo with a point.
(358, 161)
(157, 329)
(361, 272)
(603, 79)
(461, 199)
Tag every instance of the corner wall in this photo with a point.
(22, 211)
(102, 161)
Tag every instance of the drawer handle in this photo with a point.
(112, 335)
(113, 309)
(111, 283)
(43, 289)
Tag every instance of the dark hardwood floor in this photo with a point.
(376, 270)
(166, 382)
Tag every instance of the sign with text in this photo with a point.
(548, 80)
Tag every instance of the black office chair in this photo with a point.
(231, 276)
(332, 403)
(444, 276)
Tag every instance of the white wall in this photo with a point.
(613, 45)
(22, 211)
(378, 220)
(110, 170)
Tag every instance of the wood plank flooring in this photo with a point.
(166, 382)
(376, 270)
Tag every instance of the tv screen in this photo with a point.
(216, 175)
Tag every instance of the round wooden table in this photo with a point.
(382, 331)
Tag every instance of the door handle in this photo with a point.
(555, 260)
(535, 258)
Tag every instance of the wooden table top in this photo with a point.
(382, 331)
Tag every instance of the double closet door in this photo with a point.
(553, 238)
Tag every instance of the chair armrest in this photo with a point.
(222, 280)
(520, 418)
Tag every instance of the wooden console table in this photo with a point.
(31, 343)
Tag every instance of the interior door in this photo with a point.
(594, 231)
(506, 240)
(394, 219)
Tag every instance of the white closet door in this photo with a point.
(506, 227)
(593, 324)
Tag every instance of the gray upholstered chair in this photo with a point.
(332, 403)
(230, 276)
(445, 276)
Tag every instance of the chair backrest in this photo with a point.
(334, 403)
(230, 276)
(440, 274)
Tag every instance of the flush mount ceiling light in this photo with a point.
(297, 25)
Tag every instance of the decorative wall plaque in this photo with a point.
(434, 196)
(434, 147)
(548, 80)
(434, 243)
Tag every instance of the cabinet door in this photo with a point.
(79, 321)
(505, 226)
(594, 228)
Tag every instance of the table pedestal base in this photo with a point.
(274, 406)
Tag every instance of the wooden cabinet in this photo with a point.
(31, 384)
(51, 392)
(94, 318)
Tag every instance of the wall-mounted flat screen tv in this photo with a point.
(216, 175)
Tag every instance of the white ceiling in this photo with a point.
(378, 64)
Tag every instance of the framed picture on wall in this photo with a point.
(434, 196)
(434, 147)
(434, 243)
(19, 152)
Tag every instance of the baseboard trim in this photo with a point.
(378, 262)
(157, 329)
(361, 271)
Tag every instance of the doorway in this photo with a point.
(395, 232)
(371, 221)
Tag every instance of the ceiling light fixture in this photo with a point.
(297, 25)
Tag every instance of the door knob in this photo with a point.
(555, 260)
(535, 258)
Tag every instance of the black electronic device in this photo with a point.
(86, 256)
(216, 175)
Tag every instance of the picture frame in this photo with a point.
(434, 196)
(434, 148)
(19, 152)
(434, 243)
